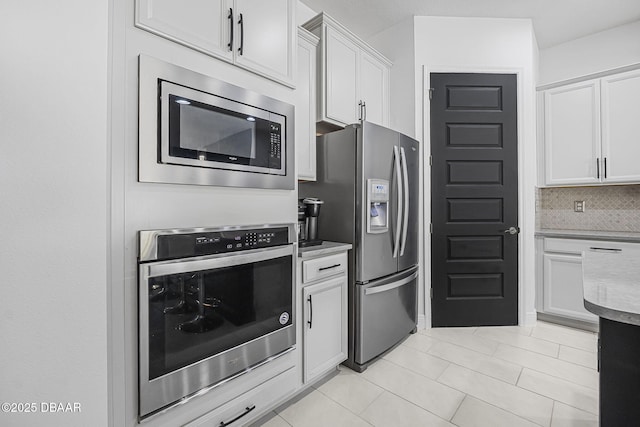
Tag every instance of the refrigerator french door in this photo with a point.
(368, 178)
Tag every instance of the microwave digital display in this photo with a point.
(195, 129)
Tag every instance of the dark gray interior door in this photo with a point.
(474, 199)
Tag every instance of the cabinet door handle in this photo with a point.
(596, 249)
(241, 23)
(230, 17)
(246, 411)
(360, 111)
(364, 111)
(329, 267)
(605, 167)
(310, 321)
(598, 167)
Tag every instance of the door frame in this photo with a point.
(526, 187)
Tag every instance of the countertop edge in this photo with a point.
(614, 236)
(612, 314)
(325, 248)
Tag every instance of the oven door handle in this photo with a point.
(163, 268)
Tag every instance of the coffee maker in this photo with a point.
(308, 212)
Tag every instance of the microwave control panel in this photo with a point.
(213, 242)
(276, 140)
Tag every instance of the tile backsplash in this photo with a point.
(607, 208)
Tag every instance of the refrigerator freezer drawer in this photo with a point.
(386, 313)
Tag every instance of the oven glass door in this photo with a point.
(202, 308)
(201, 129)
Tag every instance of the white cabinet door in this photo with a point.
(266, 37)
(325, 317)
(572, 134)
(374, 89)
(203, 25)
(621, 127)
(306, 106)
(341, 85)
(563, 294)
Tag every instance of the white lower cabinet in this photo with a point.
(559, 274)
(323, 314)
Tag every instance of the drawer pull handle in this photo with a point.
(246, 411)
(596, 249)
(330, 267)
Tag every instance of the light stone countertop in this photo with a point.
(611, 284)
(615, 236)
(325, 248)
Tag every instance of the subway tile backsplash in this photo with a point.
(607, 208)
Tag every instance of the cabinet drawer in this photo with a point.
(326, 266)
(251, 404)
(579, 246)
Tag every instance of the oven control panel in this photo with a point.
(214, 242)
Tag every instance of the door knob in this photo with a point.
(512, 230)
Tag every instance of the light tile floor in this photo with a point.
(468, 377)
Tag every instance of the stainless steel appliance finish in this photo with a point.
(368, 178)
(194, 129)
(213, 303)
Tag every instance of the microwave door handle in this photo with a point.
(405, 181)
(397, 230)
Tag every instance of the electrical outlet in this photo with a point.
(578, 206)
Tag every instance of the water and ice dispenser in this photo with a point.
(378, 204)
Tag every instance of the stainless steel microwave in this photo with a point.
(195, 129)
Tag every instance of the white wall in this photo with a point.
(53, 209)
(606, 50)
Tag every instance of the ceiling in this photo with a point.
(554, 21)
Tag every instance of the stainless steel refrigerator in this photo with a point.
(368, 177)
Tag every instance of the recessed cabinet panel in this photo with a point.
(306, 106)
(563, 294)
(572, 134)
(203, 25)
(621, 127)
(266, 36)
(342, 83)
(374, 82)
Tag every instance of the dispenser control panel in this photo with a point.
(378, 206)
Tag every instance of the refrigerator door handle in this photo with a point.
(405, 180)
(390, 286)
(397, 231)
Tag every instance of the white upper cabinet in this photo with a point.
(621, 127)
(340, 96)
(353, 78)
(306, 105)
(374, 89)
(258, 35)
(572, 134)
(591, 131)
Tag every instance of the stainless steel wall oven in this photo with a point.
(213, 303)
(194, 129)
